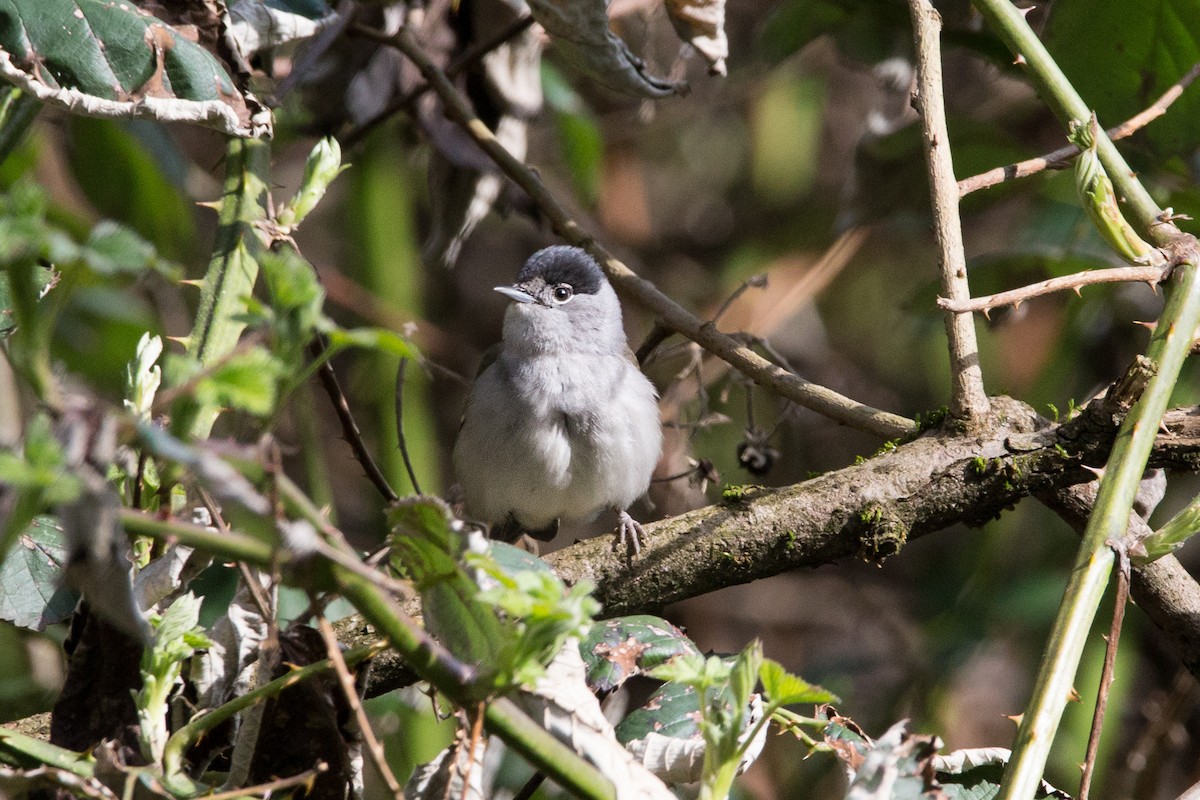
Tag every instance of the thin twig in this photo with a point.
(346, 681)
(810, 395)
(1014, 297)
(1059, 158)
(350, 431)
(1106, 675)
(400, 440)
(968, 400)
(466, 59)
(270, 787)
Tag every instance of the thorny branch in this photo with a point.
(1014, 297)
(350, 429)
(786, 384)
(1059, 158)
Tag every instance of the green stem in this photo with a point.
(1009, 24)
(502, 716)
(231, 546)
(421, 652)
(1168, 349)
(232, 270)
(182, 739)
(25, 751)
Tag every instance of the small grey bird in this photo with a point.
(561, 424)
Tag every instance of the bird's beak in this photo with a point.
(513, 293)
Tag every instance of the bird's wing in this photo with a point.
(489, 357)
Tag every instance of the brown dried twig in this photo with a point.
(633, 287)
(1106, 675)
(1063, 155)
(346, 682)
(1014, 297)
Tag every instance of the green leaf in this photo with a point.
(425, 546)
(1122, 57)
(379, 339)
(579, 133)
(671, 711)
(123, 174)
(112, 249)
(112, 59)
(30, 596)
(616, 650)
(247, 381)
(783, 688)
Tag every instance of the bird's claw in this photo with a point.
(630, 534)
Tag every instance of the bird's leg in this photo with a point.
(630, 533)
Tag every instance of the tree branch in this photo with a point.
(968, 400)
(1014, 297)
(1059, 158)
(641, 291)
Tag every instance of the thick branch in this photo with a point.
(641, 291)
(871, 510)
(967, 397)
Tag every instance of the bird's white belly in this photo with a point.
(562, 453)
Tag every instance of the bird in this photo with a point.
(560, 424)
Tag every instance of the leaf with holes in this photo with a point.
(106, 58)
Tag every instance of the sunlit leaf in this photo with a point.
(112, 59)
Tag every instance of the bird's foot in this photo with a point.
(630, 535)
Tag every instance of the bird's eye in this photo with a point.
(562, 293)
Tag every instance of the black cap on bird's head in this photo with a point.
(563, 304)
(554, 275)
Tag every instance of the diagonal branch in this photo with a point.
(968, 400)
(1059, 158)
(786, 384)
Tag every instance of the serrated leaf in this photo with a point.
(896, 767)
(110, 59)
(617, 649)
(247, 381)
(783, 688)
(30, 577)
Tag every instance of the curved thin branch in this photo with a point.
(1059, 158)
(786, 384)
(350, 429)
(1014, 297)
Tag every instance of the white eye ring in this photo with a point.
(563, 293)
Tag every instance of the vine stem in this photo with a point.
(633, 287)
(1169, 346)
(425, 655)
(968, 400)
